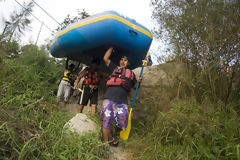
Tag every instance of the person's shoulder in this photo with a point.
(134, 75)
(130, 70)
(112, 65)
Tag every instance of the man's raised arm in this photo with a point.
(82, 74)
(107, 55)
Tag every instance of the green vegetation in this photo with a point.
(202, 121)
(188, 131)
(31, 125)
(205, 35)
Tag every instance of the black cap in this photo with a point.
(125, 57)
(72, 66)
(95, 61)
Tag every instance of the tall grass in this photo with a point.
(31, 125)
(189, 131)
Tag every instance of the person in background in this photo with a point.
(92, 77)
(114, 107)
(149, 60)
(64, 88)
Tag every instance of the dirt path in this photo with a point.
(118, 153)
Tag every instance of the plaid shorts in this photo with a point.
(113, 111)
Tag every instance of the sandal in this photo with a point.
(115, 141)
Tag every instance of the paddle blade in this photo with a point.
(125, 133)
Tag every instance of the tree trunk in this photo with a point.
(15, 27)
(11, 35)
(4, 30)
(230, 86)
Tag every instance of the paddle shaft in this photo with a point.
(135, 93)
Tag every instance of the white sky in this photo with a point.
(139, 10)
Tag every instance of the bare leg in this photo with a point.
(80, 108)
(106, 133)
(94, 109)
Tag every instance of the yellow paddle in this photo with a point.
(124, 134)
(78, 89)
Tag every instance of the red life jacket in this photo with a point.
(121, 77)
(92, 78)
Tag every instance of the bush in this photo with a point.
(190, 131)
(43, 137)
(29, 77)
(31, 125)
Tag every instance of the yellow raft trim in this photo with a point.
(103, 17)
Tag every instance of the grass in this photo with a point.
(48, 140)
(188, 131)
(31, 125)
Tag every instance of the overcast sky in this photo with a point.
(139, 10)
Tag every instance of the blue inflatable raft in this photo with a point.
(91, 37)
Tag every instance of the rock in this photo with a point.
(160, 85)
(163, 74)
(81, 124)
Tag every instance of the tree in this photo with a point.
(81, 14)
(18, 22)
(205, 33)
(6, 30)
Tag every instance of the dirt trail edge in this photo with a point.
(120, 153)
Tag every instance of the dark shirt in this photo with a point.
(117, 93)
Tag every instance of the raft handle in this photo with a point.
(131, 31)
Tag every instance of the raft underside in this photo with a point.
(82, 45)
